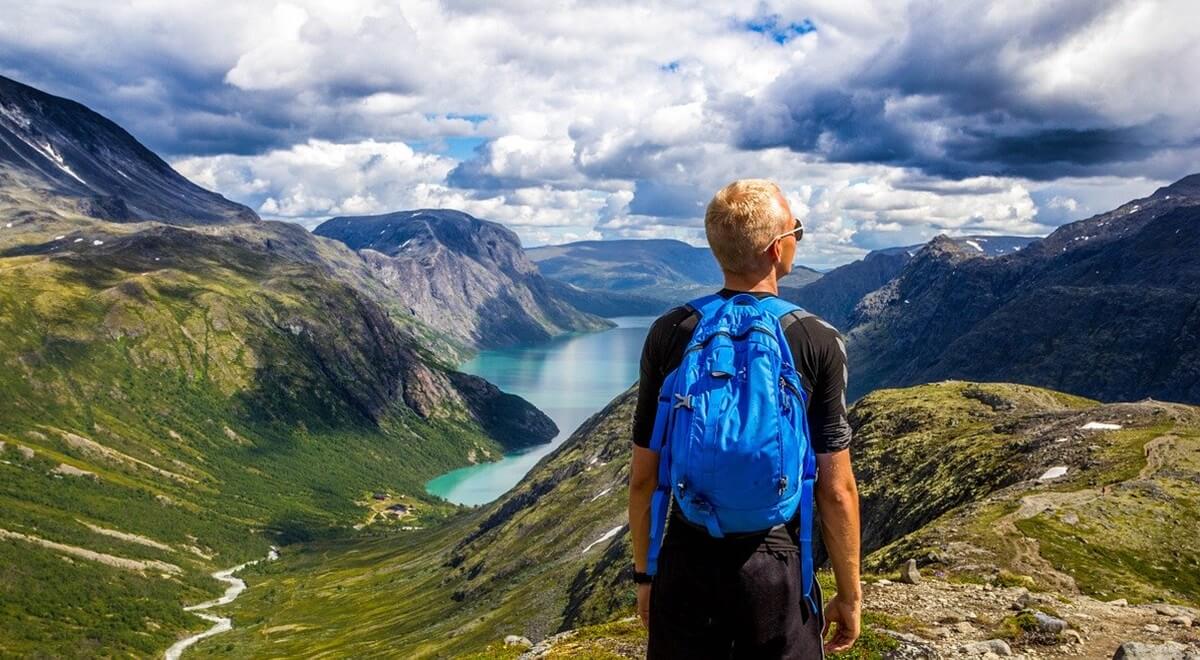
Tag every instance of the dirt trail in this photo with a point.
(140, 565)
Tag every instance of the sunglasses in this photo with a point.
(798, 230)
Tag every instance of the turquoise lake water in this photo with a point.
(568, 378)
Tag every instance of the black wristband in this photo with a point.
(642, 578)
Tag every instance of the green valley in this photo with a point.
(176, 400)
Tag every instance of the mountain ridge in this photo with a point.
(58, 155)
(461, 275)
(1104, 307)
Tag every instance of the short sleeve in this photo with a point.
(821, 354)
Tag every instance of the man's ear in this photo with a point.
(775, 249)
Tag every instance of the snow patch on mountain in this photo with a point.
(603, 537)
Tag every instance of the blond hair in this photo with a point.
(740, 222)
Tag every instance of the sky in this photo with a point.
(885, 123)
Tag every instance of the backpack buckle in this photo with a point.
(683, 401)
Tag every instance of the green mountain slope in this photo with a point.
(175, 400)
(551, 555)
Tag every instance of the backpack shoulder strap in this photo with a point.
(779, 307)
(706, 306)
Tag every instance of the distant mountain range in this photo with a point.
(638, 276)
(56, 154)
(1107, 307)
(834, 296)
(465, 277)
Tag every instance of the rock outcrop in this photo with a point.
(465, 277)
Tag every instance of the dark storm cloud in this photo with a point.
(172, 108)
(951, 102)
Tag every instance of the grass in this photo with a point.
(272, 389)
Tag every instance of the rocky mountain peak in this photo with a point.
(424, 233)
(464, 276)
(1188, 186)
(58, 155)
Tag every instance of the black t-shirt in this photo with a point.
(820, 357)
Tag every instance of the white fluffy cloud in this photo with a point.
(605, 119)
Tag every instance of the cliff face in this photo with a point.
(463, 276)
(835, 295)
(57, 155)
(1105, 307)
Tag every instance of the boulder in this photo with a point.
(1167, 651)
(518, 641)
(992, 646)
(910, 574)
(1050, 624)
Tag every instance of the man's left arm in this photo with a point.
(837, 491)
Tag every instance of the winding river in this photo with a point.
(220, 623)
(569, 378)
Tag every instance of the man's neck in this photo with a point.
(766, 284)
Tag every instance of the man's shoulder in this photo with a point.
(671, 318)
(815, 324)
(809, 327)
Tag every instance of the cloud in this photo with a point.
(1037, 91)
(885, 122)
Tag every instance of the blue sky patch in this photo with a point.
(458, 148)
(773, 26)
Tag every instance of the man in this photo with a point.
(740, 595)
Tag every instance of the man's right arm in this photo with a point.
(643, 468)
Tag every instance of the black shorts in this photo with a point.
(731, 605)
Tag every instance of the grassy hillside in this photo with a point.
(1120, 523)
(933, 461)
(175, 401)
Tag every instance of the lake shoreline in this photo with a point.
(569, 377)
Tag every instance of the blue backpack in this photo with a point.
(731, 429)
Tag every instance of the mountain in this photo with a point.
(465, 277)
(180, 395)
(184, 397)
(1106, 307)
(834, 296)
(57, 155)
(952, 474)
(639, 276)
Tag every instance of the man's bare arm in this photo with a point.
(837, 500)
(643, 480)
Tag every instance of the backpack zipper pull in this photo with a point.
(783, 485)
